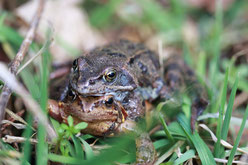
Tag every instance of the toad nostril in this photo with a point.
(92, 82)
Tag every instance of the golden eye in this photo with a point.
(110, 75)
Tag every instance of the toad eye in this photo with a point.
(109, 101)
(110, 75)
(75, 65)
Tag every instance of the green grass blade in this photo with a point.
(2, 18)
(216, 43)
(242, 84)
(160, 18)
(42, 148)
(202, 149)
(30, 82)
(176, 129)
(63, 159)
(11, 36)
(161, 143)
(236, 143)
(186, 156)
(88, 150)
(120, 147)
(87, 136)
(169, 152)
(27, 146)
(78, 148)
(228, 113)
(70, 148)
(55, 124)
(100, 16)
(166, 130)
(201, 64)
(221, 113)
(174, 156)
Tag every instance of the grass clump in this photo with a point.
(175, 143)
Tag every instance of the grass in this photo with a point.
(27, 146)
(202, 149)
(42, 147)
(221, 114)
(236, 143)
(175, 144)
(226, 123)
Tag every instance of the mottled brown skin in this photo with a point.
(137, 79)
(103, 119)
(135, 65)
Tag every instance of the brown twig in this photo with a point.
(14, 65)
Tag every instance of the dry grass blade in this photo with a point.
(15, 139)
(32, 105)
(16, 125)
(225, 161)
(44, 48)
(223, 142)
(16, 117)
(6, 91)
(33, 58)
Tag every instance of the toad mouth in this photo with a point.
(101, 91)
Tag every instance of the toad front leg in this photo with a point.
(145, 151)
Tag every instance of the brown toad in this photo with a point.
(130, 74)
